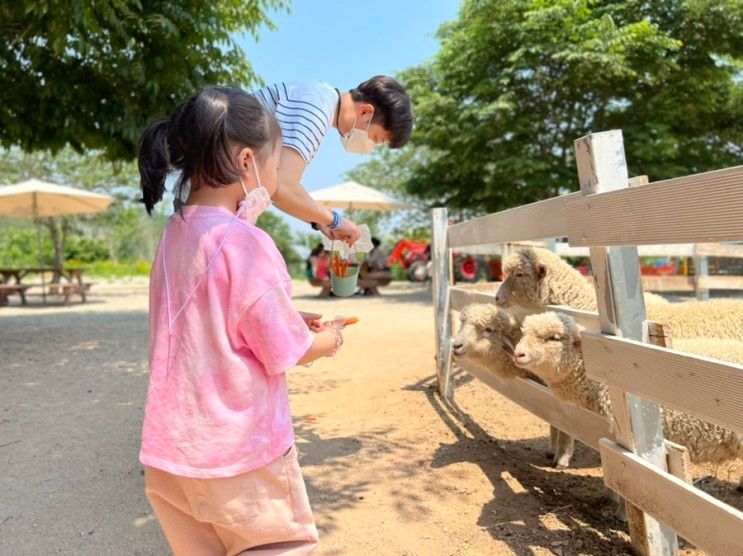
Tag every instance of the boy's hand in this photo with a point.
(348, 231)
(313, 321)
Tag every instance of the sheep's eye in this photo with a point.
(519, 275)
(555, 338)
(488, 331)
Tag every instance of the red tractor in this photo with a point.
(415, 258)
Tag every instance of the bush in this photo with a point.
(85, 250)
(398, 272)
(110, 269)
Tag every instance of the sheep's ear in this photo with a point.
(578, 341)
(541, 271)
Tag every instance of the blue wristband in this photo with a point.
(335, 224)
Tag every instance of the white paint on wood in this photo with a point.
(584, 425)
(461, 297)
(707, 388)
(701, 273)
(700, 518)
(680, 250)
(536, 221)
(441, 281)
(602, 168)
(694, 209)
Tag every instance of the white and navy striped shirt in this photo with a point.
(304, 110)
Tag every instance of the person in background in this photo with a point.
(322, 265)
(376, 263)
(310, 268)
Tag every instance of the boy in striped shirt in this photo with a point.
(377, 111)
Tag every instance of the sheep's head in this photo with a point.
(486, 333)
(526, 280)
(550, 344)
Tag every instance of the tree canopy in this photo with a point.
(515, 82)
(93, 74)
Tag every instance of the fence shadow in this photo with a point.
(527, 495)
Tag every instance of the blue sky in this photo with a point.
(343, 43)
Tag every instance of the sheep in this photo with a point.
(479, 323)
(486, 338)
(537, 277)
(717, 318)
(550, 347)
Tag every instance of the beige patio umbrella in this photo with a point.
(35, 199)
(354, 196)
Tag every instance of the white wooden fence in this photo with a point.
(611, 218)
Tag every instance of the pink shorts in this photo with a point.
(265, 511)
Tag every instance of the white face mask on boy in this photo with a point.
(255, 201)
(357, 140)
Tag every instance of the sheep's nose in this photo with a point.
(458, 347)
(500, 299)
(519, 354)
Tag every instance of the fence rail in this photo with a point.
(611, 217)
(693, 209)
(697, 516)
(704, 387)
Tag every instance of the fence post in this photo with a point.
(441, 282)
(637, 423)
(701, 271)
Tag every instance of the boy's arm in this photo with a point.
(294, 200)
(291, 197)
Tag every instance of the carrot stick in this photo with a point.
(352, 320)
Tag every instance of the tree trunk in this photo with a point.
(58, 241)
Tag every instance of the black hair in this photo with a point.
(376, 242)
(392, 107)
(198, 140)
(317, 250)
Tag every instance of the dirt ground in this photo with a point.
(390, 469)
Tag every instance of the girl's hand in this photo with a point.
(313, 321)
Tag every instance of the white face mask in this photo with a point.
(357, 140)
(255, 201)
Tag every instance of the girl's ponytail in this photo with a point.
(198, 140)
(153, 163)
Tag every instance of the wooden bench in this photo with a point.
(9, 289)
(68, 290)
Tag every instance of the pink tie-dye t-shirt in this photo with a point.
(223, 331)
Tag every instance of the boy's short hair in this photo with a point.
(392, 107)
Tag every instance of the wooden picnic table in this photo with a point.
(73, 282)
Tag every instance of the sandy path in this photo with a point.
(389, 469)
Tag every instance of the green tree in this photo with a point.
(279, 230)
(515, 82)
(93, 74)
(389, 171)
